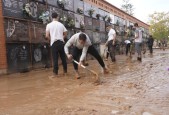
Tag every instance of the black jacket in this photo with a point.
(150, 41)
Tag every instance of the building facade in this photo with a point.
(23, 25)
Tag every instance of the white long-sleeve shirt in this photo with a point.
(74, 40)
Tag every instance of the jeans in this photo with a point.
(107, 53)
(58, 50)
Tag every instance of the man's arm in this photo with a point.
(64, 32)
(67, 45)
(84, 52)
(47, 36)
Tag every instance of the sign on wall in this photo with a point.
(13, 8)
(16, 30)
(37, 54)
(69, 4)
(18, 57)
(88, 23)
(79, 21)
(40, 55)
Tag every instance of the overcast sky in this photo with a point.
(142, 8)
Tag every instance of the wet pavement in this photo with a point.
(131, 88)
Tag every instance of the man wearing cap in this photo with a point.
(111, 42)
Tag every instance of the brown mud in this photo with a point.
(131, 88)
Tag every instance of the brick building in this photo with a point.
(22, 38)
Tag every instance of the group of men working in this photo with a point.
(56, 33)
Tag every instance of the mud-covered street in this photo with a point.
(131, 88)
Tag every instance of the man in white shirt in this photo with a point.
(138, 41)
(111, 42)
(56, 32)
(82, 46)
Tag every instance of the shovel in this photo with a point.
(93, 72)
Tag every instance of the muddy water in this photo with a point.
(131, 88)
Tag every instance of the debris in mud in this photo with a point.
(131, 85)
(125, 108)
(118, 100)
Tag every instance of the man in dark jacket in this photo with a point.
(150, 44)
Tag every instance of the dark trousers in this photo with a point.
(112, 50)
(107, 53)
(58, 50)
(151, 49)
(91, 50)
(127, 48)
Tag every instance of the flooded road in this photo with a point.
(131, 88)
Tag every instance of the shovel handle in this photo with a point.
(85, 68)
(78, 64)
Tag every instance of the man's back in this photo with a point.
(56, 30)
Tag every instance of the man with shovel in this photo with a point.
(82, 46)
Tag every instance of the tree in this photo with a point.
(127, 7)
(159, 25)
